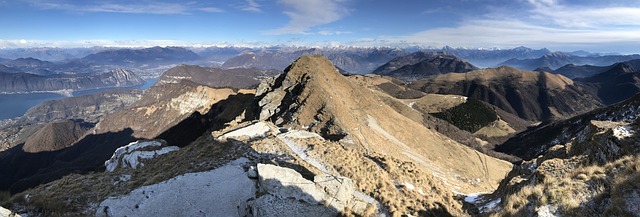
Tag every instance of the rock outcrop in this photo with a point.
(130, 155)
(7, 213)
(223, 191)
(284, 192)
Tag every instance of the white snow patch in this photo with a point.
(472, 198)
(129, 156)
(408, 185)
(301, 134)
(622, 132)
(257, 130)
(220, 192)
(490, 206)
(547, 211)
(299, 151)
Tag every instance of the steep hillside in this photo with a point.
(426, 65)
(531, 95)
(236, 78)
(24, 82)
(177, 113)
(529, 144)
(6, 69)
(164, 106)
(89, 108)
(579, 71)
(55, 136)
(421, 109)
(620, 82)
(584, 166)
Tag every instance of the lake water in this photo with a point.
(15, 105)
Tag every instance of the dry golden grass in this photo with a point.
(582, 192)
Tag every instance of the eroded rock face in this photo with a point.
(162, 107)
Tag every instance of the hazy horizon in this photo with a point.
(559, 25)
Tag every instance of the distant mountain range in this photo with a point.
(492, 57)
(351, 59)
(556, 60)
(235, 78)
(420, 65)
(134, 57)
(32, 66)
(26, 83)
(619, 82)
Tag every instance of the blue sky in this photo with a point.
(594, 25)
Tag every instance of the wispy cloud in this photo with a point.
(326, 32)
(145, 7)
(584, 17)
(22, 43)
(547, 23)
(304, 15)
(252, 6)
(211, 9)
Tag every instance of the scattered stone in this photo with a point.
(252, 172)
